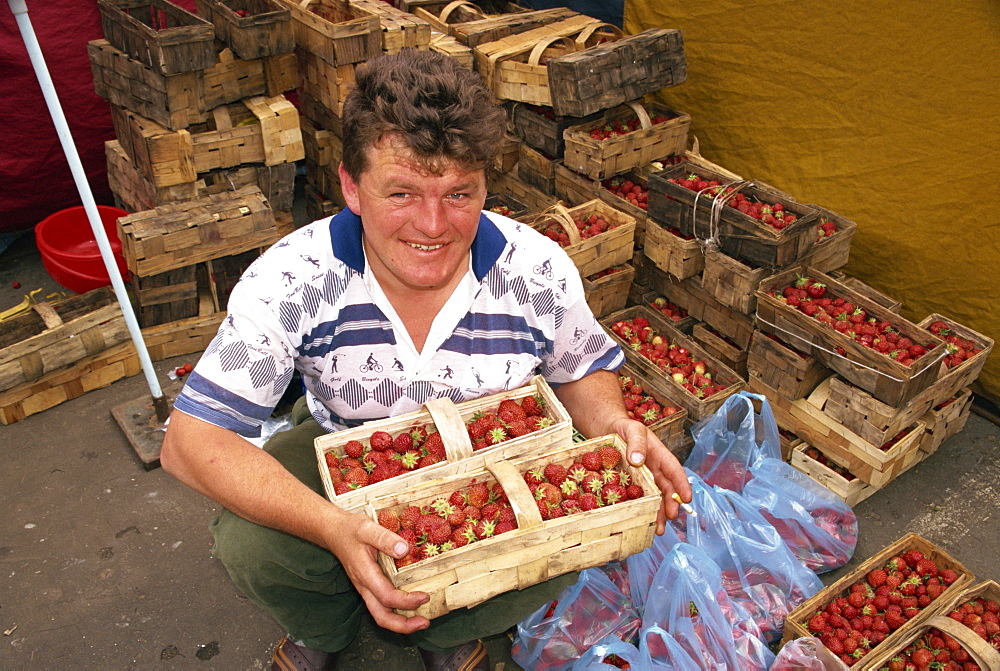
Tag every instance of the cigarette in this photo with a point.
(686, 506)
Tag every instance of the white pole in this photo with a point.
(20, 10)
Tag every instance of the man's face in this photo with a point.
(418, 226)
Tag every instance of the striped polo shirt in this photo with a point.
(305, 305)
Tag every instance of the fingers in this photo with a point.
(387, 619)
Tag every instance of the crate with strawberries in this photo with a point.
(643, 402)
(514, 522)
(874, 348)
(838, 479)
(608, 290)
(832, 249)
(966, 353)
(381, 456)
(888, 597)
(676, 253)
(945, 419)
(595, 235)
(676, 365)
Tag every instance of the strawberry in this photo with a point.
(435, 445)
(610, 456)
(592, 461)
(555, 474)
(549, 493)
(472, 513)
(380, 473)
(409, 460)
(511, 409)
(389, 519)
(589, 501)
(402, 443)
(485, 529)
(409, 516)
(343, 487)
(533, 406)
(612, 494)
(518, 427)
(577, 471)
(497, 434)
(634, 491)
(428, 460)
(535, 476)
(592, 483)
(356, 476)
(354, 448)
(380, 441)
(478, 494)
(570, 490)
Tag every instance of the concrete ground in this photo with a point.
(104, 565)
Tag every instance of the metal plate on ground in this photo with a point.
(138, 421)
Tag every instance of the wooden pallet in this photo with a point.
(534, 552)
(102, 369)
(165, 37)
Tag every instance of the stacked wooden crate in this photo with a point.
(198, 103)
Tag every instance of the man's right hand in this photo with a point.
(355, 540)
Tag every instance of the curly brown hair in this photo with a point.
(441, 110)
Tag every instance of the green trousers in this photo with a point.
(304, 587)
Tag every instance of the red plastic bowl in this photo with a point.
(69, 251)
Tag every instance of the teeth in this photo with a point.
(425, 248)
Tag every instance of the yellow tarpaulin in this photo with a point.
(887, 113)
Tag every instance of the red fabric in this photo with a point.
(35, 179)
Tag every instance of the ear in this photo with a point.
(349, 188)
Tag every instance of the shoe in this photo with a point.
(288, 656)
(469, 657)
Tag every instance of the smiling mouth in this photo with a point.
(424, 248)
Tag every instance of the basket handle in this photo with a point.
(641, 113)
(585, 34)
(457, 444)
(559, 214)
(521, 500)
(545, 43)
(452, 6)
(981, 651)
(48, 314)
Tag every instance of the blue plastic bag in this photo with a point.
(657, 651)
(642, 566)
(816, 524)
(757, 569)
(585, 613)
(686, 600)
(730, 441)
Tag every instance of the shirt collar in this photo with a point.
(346, 232)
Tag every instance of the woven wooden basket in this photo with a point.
(943, 423)
(795, 623)
(964, 374)
(887, 380)
(690, 295)
(599, 252)
(442, 15)
(252, 28)
(671, 252)
(678, 207)
(870, 418)
(610, 292)
(746, 238)
(721, 348)
(733, 282)
(980, 652)
(53, 335)
(494, 28)
(832, 252)
(599, 159)
(515, 67)
(663, 381)
(540, 128)
(335, 30)
(537, 169)
(534, 552)
(788, 371)
(853, 491)
(165, 37)
(670, 430)
(449, 46)
(449, 419)
(399, 29)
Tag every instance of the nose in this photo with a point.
(432, 219)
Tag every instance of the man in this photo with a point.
(413, 271)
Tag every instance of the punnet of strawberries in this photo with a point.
(594, 480)
(640, 405)
(384, 456)
(588, 226)
(772, 214)
(692, 374)
(816, 455)
(474, 513)
(669, 310)
(959, 349)
(502, 209)
(812, 299)
(508, 420)
(933, 650)
(613, 270)
(852, 624)
(825, 229)
(627, 190)
(619, 127)
(982, 615)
